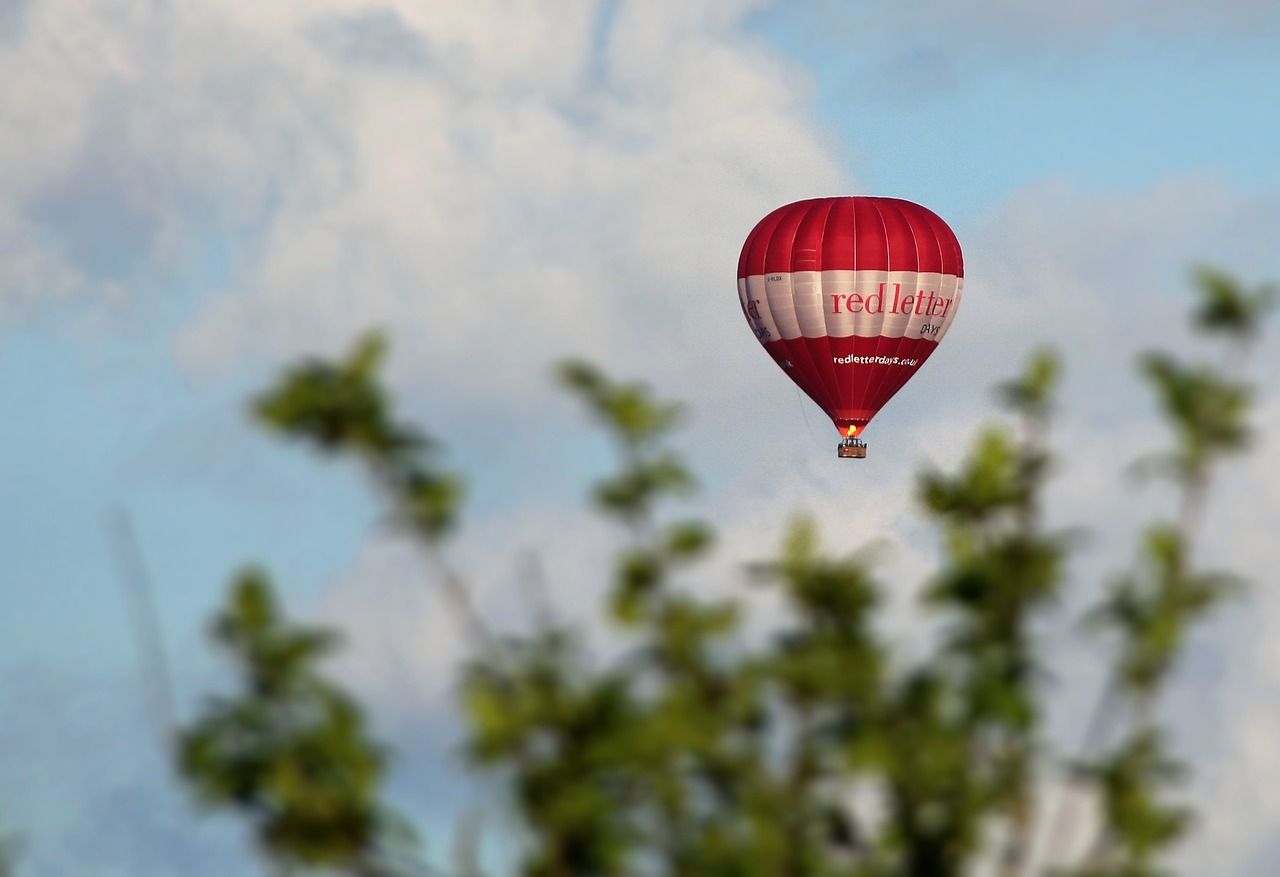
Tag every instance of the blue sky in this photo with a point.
(192, 195)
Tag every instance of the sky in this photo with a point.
(194, 195)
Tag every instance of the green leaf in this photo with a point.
(289, 749)
(688, 540)
(1226, 307)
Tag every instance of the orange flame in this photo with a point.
(851, 431)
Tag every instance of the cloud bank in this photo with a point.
(502, 185)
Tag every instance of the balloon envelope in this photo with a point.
(850, 296)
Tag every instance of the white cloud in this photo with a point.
(1229, 697)
(524, 191)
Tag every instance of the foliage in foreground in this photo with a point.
(703, 751)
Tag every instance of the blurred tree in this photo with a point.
(708, 750)
(289, 750)
(1151, 611)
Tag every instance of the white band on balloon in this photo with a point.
(840, 304)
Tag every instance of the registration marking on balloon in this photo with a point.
(850, 296)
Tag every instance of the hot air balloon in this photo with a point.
(850, 296)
